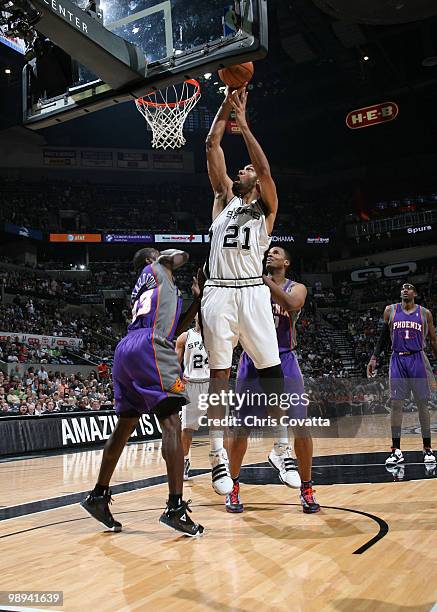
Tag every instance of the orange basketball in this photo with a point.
(236, 76)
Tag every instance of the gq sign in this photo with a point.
(390, 271)
(371, 115)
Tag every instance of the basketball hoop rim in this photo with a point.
(143, 101)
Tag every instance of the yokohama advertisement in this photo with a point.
(28, 434)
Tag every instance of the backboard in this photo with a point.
(180, 39)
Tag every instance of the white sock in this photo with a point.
(282, 441)
(282, 434)
(216, 438)
(188, 455)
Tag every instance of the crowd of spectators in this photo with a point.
(44, 318)
(318, 357)
(39, 283)
(75, 287)
(331, 296)
(59, 206)
(14, 351)
(41, 391)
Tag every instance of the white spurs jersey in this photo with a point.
(196, 368)
(238, 241)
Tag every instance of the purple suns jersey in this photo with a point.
(285, 324)
(156, 302)
(408, 330)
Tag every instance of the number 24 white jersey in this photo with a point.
(196, 366)
(238, 242)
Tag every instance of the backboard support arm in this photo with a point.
(115, 60)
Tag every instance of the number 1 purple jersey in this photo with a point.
(408, 330)
(410, 370)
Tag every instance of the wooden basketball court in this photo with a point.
(372, 547)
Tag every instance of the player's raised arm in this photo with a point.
(220, 181)
(187, 318)
(173, 259)
(292, 300)
(380, 344)
(267, 187)
(180, 346)
(431, 332)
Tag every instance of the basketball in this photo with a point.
(236, 76)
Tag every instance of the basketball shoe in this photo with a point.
(430, 469)
(395, 457)
(178, 519)
(428, 456)
(98, 507)
(222, 482)
(233, 502)
(397, 471)
(307, 499)
(187, 466)
(281, 460)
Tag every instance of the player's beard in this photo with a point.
(240, 188)
(237, 188)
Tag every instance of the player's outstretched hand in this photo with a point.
(238, 100)
(200, 280)
(173, 258)
(195, 289)
(371, 367)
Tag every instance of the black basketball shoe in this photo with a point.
(233, 501)
(178, 519)
(98, 507)
(307, 499)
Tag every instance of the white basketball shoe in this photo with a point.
(281, 460)
(429, 457)
(222, 482)
(395, 457)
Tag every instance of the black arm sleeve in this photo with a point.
(383, 339)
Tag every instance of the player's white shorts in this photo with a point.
(239, 314)
(192, 412)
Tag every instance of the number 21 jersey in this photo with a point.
(238, 242)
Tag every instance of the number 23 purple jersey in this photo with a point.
(156, 302)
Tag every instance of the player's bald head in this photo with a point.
(144, 257)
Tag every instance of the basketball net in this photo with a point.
(166, 111)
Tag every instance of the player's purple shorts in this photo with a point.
(247, 380)
(145, 372)
(410, 373)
